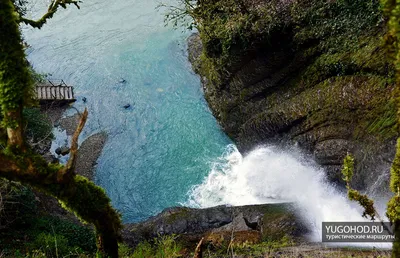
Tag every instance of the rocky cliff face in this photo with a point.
(311, 73)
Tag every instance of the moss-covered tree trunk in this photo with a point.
(19, 163)
(392, 38)
(396, 244)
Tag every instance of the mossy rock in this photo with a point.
(216, 224)
(314, 73)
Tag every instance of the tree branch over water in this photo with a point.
(52, 9)
(18, 162)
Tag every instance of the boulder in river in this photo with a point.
(64, 150)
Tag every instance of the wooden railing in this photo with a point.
(55, 90)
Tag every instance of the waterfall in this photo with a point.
(269, 175)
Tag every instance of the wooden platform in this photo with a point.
(55, 91)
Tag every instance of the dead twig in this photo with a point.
(198, 252)
(70, 167)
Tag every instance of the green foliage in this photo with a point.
(264, 248)
(29, 230)
(386, 123)
(88, 201)
(346, 20)
(17, 205)
(230, 28)
(76, 236)
(51, 245)
(16, 85)
(248, 249)
(335, 46)
(124, 250)
(38, 126)
(144, 250)
(162, 247)
(395, 171)
(391, 10)
(348, 169)
(87, 208)
(392, 39)
(22, 164)
(393, 208)
(364, 201)
(354, 195)
(37, 77)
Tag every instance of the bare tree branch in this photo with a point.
(70, 167)
(78, 194)
(20, 163)
(198, 252)
(53, 7)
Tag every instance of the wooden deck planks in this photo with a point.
(55, 93)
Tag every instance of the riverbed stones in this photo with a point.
(63, 150)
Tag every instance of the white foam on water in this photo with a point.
(270, 175)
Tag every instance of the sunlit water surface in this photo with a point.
(163, 144)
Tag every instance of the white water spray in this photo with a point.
(268, 175)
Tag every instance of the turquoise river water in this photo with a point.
(164, 144)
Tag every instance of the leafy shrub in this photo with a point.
(17, 204)
(77, 236)
(37, 125)
(162, 247)
(51, 245)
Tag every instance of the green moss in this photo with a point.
(348, 169)
(16, 86)
(88, 201)
(27, 228)
(182, 213)
(385, 123)
(363, 101)
(227, 31)
(336, 44)
(354, 195)
(392, 39)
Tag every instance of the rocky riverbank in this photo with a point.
(269, 230)
(89, 150)
(88, 153)
(220, 225)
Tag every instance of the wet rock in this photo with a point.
(195, 48)
(64, 150)
(88, 154)
(266, 96)
(50, 158)
(70, 123)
